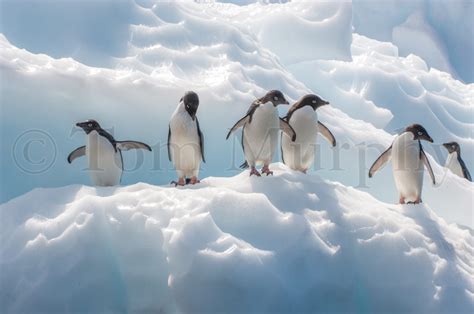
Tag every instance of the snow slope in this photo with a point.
(438, 31)
(130, 77)
(288, 243)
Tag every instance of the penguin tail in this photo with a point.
(245, 165)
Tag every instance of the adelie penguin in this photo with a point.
(185, 140)
(260, 128)
(104, 153)
(303, 118)
(408, 159)
(455, 162)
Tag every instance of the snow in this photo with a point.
(443, 30)
(331, 241)
(216, 50)
(313, 30)
(288, 243)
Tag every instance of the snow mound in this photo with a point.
(440, 32)
(288, 243)
(228, 54)
(296, 31)
(392, 92)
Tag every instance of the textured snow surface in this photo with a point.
(129, 76)
(438, 31)
(288, 243)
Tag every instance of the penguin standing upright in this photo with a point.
(260, 128)
(104, 153)
(303, 118)
(185, 140)
(455, 162)
(408, 159)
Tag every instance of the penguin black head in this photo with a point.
(313, 101)
(419, 132)
(276, 97)
(191, 103)
(89, 125)
(452, 147)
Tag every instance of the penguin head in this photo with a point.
(191, 103)
(419, 132)
(313, 101)
(89, 125)
(276, 97)
(452, 147)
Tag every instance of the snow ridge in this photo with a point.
(286, 243)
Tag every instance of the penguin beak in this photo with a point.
(429, 139)
(285, 102)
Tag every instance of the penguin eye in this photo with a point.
(275, 98)
(90, 125)
(314, 101)
(420, 133)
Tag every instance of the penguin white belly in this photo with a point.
(407, 167)
(105, 164)
(452, 163)
(184, 145)
(261, 135)
(299, 155)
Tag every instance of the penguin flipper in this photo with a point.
(244, 165)
(286, 127)
(382, 160)
(78, 152)
(281, 148)
(127, 145)
(201, 140)
(327, 134)
(427, 164)
(465, 172)
(168, 144)
(238, 124)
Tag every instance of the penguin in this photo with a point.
(104, 153)
(260, 128)
(185, 140)
(408, 159)
(302, 117)
(455, 162)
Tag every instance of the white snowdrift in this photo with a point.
(440, 32)
(166, 48)
(296, 31)
(288, 243)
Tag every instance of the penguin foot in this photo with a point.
(402, 200)
(267, 171)
(254, 171)
(304, 171)
(180, 182)
(415, 202)
(194, 180)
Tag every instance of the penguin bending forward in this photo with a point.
(104, 154)
(408, 159)
(260, 128)
(302, 117)
(185, 140)
(455, 162)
